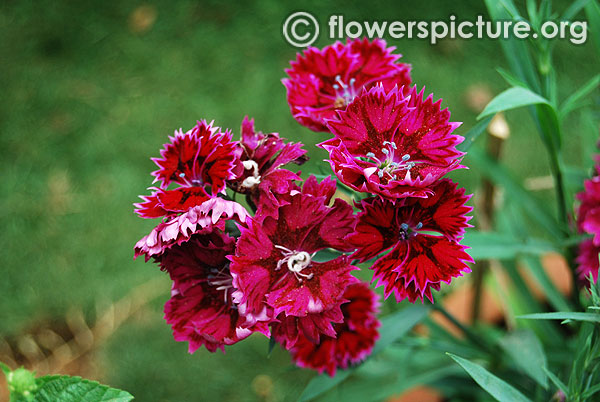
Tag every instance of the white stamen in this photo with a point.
(254, 180)
(296, 262)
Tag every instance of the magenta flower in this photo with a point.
(392, 145)
(323, 81)
(287, 330)
(587, 261)
(274, 268)
(588, 221)
(201, 310)
(588, 214)
(200, 158)
(177, 229)
(258, 166)
(417, 262)
(355, 336)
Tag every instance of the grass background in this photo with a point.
(88, 98)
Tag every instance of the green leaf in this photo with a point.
(473, 133)
(556, 381)
(396, 325)
(393, 326)
(592, 11)
(490, 245)
(526, 351)
(5, 369)
(511, 79)
(590, 391)
(502, 177)
(515, 50)
(76, 389)
(574, 9)
(565, 316)
(496, 387)
(512, 98)
(572, 102)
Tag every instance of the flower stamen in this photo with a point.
(389, 167)
(254, 180)
(344, 93)
(407, 232)
(296, 262)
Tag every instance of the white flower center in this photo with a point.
(296, 262)
(254, 180)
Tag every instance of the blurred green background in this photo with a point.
(90, 91)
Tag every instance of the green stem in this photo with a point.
(560, 190)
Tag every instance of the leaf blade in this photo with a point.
(527, 352)
(562, 315)
(499, 389)
(512, 98)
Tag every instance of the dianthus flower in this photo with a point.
(588, 214)
(323, 81)
(274, 268)
(417, 261)
(393, 145)
(355, 336)
(588, 221)
(587, 261)
(201, 310)
(198, 162)
(201, 158)
(258, 166)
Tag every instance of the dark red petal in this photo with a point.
(177, 158)
(182, 199)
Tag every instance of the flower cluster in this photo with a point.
(588, 221)
(280, 262)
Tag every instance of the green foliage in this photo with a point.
(512, 98)
(393, 327)
(76, 389)
(525, 349)
(23, 386)
(496, 387)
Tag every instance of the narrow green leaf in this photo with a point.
(393, 327)
(493, 385)
(571, 103)
(515, 50)
(527, 352)
(76, 389)
(4, 368)
(574, 316)
(574, 9)
(511, 79)
(512, 98)
(592, 12)
(511, 8)
(474, 133)
(490, 245)
(533, 14)
(556, 381)
(503, 178)
(590, 391)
